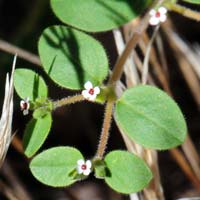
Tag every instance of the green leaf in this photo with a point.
(29, 84)
(98, 15)
(71, 57)
(36, 133)
(151, 118)
(53, 166)
(192, 1)
(127, 173)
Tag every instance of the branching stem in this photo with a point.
(67, 101)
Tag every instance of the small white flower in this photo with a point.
(90, 93)
(25, 105)
(158, 16)
(84, 167)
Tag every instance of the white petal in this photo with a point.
(85, 94)
(88, 85)
(22, 103)
(154, 21)
(28, 105)
(80, 162)
(152, 12)
(86, 172)
(88, 164)
(96, 90)
(163, 18)
(162, 10)
(92, 97)
(79, 170)
(25, 112)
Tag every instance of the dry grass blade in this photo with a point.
(6, 116)
(155, 189)
(146, 58)
(185, 66)
(129, 67)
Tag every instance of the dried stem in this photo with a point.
(119, 66)
(7, 191)
(9, 48)
(184, 11)
(177, 155)
(147, 55)
(105, 129)
(67, 101)
(18, 187)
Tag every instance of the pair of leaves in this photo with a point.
(126, 172)
(98, 15)
(29, 84)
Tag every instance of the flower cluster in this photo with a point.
(90, 93)
(157, 16)
(84, 167)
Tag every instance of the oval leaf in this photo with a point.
(97, 15)
(127, 172)
(53, 166)
(193, 1)
(36, 133)
(71, 57)
(151, 118)
(29, 84)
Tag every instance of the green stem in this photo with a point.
(184, 11)
(67, 101)
(105, 129)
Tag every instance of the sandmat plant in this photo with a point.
(74, 60)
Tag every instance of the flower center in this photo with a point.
(91, 91)
(24, 106)
(84, 167)
(158, 14)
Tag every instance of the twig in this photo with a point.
(184, 65)
(176, 154)
(7, 191)
(16, 184)
(184, 11)
(118, 68)
(17, 144)
(129, 67)
(9, 48)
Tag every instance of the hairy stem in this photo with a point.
(105, 129)
(67, 101)
(184, 11)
